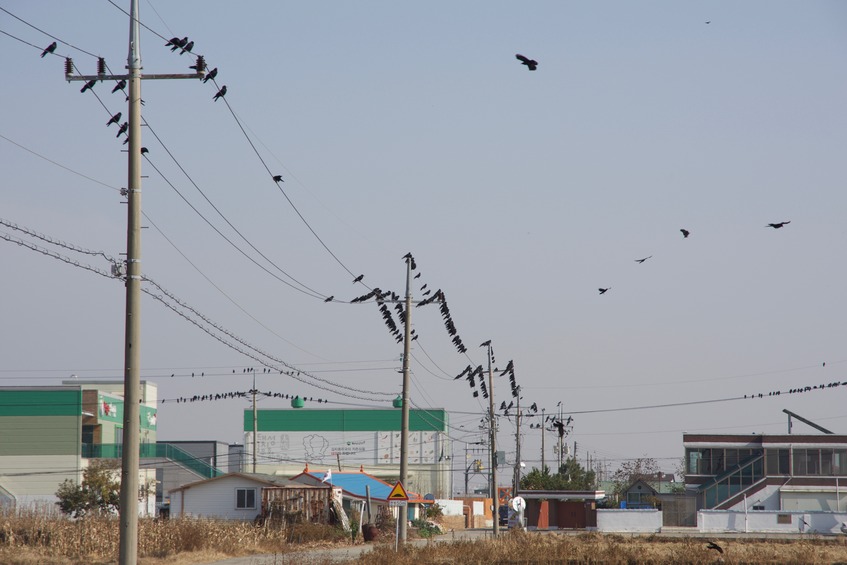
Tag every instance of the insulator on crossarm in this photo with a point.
(101, 66)
(200, 66)
(69, 66)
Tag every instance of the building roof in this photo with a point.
(261, 478)
(356, 484)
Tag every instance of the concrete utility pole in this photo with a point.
(128, 553)
(517, 478)
(492, 428)
(402, 515)
(543, 425)
(255, 422)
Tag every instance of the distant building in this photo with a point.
(353, 439)
(48, 435)
(767, 472)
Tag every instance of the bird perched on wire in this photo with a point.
(329, 299)
(120, 86)
(144, 151)
(604, 290)
(211, 76)
(530, 63)
(685, 232)
(777, 225)
(188, 47)
(123, 128)
(49, 49)
(642, 260)
(221, 93)
(88, 85)
(278, 178)
(114, 119)
(713, 545)
(179, 43)
(358, 279)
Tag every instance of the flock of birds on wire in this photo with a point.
(474, 375)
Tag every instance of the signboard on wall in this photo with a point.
(324, 447)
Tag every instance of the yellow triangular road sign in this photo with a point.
(398, 492)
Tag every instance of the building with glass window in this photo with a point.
(767, 472)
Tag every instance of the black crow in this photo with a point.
(120, 86)
(114, 119)
(88, 85)
(278, 178)
(531, 64)
(123, 128)
(172, 41)
(211, 76)
(329, 299)
(685, 232)
(642, 260)
(713, 545)
(178, 43)
(144, 150)
(221, 93)
(604, 290)
(188, 47)
(358, 279)
(777, 225)
(49, 49)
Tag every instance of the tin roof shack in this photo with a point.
(354, 489)
(241, 496)
(557, 509)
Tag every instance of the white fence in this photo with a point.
(614, 520)
(769, 521)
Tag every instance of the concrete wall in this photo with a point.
(769, 521)
(450, 507)
(614, 520)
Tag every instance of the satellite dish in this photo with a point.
(518, 504)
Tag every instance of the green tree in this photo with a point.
(98, 494)
(571, 476)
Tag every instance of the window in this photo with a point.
(245, 498)
(777, 462)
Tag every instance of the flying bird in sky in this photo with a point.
(358, 279)
(530, 63)
(49, 49)
(114, 119)
(777, 225)
(211, 76)
(604, 290)
(642, 260)
(278, 178)
(120, 86)
(685, 232)
(329, 299)
(221, 93)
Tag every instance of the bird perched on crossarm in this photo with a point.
(531, 64)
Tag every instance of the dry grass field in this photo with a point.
(31, 540)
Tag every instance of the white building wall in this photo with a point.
(451, 507)
(710, 521)
(614, 520)
(215, 499)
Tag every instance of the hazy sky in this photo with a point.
(411, 127)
